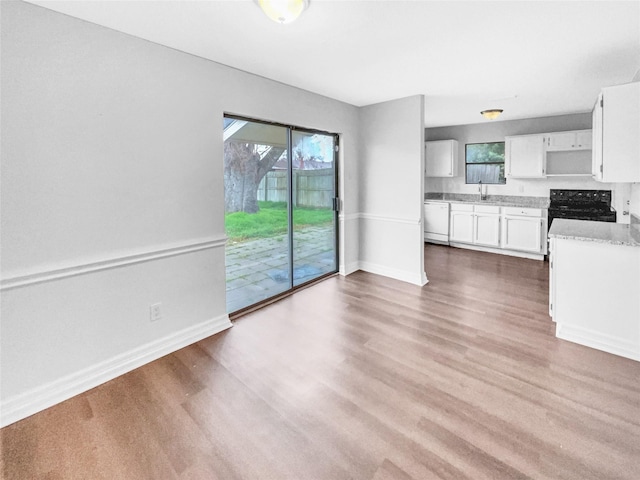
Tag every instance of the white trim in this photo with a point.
(402, 275)
(598, 340)
(348, 216)
(433, 240)
(72, 270)
(382, 218)
(499, 251)
(349, 268)
(37, 399)
(233, 128)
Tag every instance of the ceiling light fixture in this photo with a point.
(283, 11)
(491, 114)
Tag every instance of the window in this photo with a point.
(484, 162)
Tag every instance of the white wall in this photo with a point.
(392, 159)
(496, 132)
(112, 198)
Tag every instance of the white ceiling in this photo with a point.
(532, 59)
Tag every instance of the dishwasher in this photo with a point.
(436, 222)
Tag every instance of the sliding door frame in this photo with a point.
(335, 203)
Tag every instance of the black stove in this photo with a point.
(592, 205)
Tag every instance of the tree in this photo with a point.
(245, 165)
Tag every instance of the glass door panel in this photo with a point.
(314, 218)
(257, 253)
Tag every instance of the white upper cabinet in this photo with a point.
(616, 137)
(441, 158)
(525, 156)
(564, 141)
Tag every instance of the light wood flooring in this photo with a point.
(360, 377)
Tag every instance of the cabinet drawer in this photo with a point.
(462, 207)
(487, 209)
(523, 212)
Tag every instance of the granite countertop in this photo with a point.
(589, 231)
(499, 200)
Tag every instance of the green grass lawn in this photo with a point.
(271, 220)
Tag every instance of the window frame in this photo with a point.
(466, 164)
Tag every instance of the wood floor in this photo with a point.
(360, 377)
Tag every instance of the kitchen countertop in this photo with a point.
(600, 232)
(499, 200)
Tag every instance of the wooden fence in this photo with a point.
(311, 188)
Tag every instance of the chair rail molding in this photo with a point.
(60, 271)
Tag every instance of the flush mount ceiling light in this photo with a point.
(283, 11)
(491, 114)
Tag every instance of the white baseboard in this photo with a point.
(402, 275)
(499, 251)
(349, 268)
(436, 241)
(598, 340)
(25, 404)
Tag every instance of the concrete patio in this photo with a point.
(258, 269)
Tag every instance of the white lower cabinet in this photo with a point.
(524, 230)
(461, 226)
(487, 229)
(594, 295)
(522, 233)
(508, 230)
(475, 224)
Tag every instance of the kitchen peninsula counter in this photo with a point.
(594, 283)
(601, 232)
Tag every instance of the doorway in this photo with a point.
(280, 209)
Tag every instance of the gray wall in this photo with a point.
(392, 159)
(112, 198)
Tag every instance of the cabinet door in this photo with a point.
(620, 125)
(584, 139)
(441, 158)
(522, 233)
(596, 150)
(461, 227)
(524, 156)
(487, 230)
(561, 141)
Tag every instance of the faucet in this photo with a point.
(482, 197)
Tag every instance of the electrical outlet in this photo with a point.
(521, 188)
(155, 313)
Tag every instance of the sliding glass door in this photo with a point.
(313, 196)
(280, 215)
